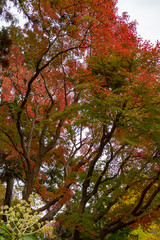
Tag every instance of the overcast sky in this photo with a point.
(147, 14)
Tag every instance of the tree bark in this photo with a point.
(29, 186)
(9, 192)
(76, 235)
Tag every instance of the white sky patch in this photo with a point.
(15, 13)
(146, 13)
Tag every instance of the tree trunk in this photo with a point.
(76, 235)
(9, 192)
(29, 186)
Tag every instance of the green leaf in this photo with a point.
(29, 237)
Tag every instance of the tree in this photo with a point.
(80, 116)
(5, 43)
(151, 233)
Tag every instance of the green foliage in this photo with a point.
(113, 68)
(152, 233)
(5, 43)
(79, 122)
(119, 235)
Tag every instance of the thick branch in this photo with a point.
(144, 192)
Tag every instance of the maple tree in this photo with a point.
(5, 43)
(80, 115)
(151, 233)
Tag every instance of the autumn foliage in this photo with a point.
(79, 122)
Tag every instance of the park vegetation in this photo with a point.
(79, 117)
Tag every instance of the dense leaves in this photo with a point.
(5, 43)
(80, 116)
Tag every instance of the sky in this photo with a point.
(146, 13)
